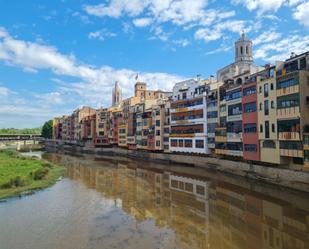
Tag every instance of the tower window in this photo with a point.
(241, 50)
(247, 52)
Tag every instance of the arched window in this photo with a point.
(247, 50)
(241, 50)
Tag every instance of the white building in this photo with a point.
(188, 117)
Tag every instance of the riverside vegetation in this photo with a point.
(19, 175)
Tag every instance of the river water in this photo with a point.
(122, 203)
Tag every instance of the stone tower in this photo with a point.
(140, 89)
(243, 49)
(117, 95)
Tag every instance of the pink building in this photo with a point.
(251, 150)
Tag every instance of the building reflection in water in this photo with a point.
(202, 212)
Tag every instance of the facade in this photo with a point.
(188, 132)
(292, 107)
(251, 146)
(267, 116)
(256, 114)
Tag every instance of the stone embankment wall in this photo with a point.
(294, 179)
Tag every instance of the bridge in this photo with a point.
(20, 137)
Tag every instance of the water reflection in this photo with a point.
(189, 210)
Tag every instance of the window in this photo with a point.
(223, 108)
(247, 51)
(184, 95)
(200, 190)
(158, 132)
(271, 86)
(235, 94)
(269, 144)
(241, 50)
(266, 109)
(199, 144)
(180, 142)
(250, 128)
(157, 143)
(188, 143)
(273, 128)
(189, 187)
(261, 128)
(287, 83)
(250, 107)
(272, 104)
(174, 142)
(260, 89)
(266, 90)
(157, 122)
(288, 101)
(250, 147)
(266, 129)
(234, 127)
(249, 91)
(261, 106)
(235, 109)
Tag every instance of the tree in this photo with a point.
(47, 130)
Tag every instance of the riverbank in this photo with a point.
(21, 175)
(294, 179)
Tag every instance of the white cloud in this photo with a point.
(217, 31)
(101, 34)
(118, 7)
(179, 12)
(281, 49)
(94, 83)
(4, 92)
(265, 37)
(142, 22)
(261, 5)
(302, 14)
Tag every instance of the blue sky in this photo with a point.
(61, 54)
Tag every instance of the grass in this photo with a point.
(19, 175)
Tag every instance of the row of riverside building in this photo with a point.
(248, 112)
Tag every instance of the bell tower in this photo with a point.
(117, 95)
(243, 49)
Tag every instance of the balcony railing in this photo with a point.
(220, 139)
(291, 153)
(229, 152)
(286, 113)
(287, 90)
(234, 137)
(295, 136)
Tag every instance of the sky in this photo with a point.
(56, 56)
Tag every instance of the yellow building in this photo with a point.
(267, 116)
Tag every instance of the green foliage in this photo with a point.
(47, 130)
(40, 174)
(13, 131)
(19, 174)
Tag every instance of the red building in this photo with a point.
(251, 150)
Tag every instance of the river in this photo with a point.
(121, 203)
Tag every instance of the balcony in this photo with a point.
(220, 139)
(211, 146)
(292, 153)
(234, 137)
(229, 152)
(287, 90)
(294, 136)
(288, 113)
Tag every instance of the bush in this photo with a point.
(40, 173)
(48, 165)
(15, 182)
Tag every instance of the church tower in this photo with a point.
(117, 95)
(243, 49)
